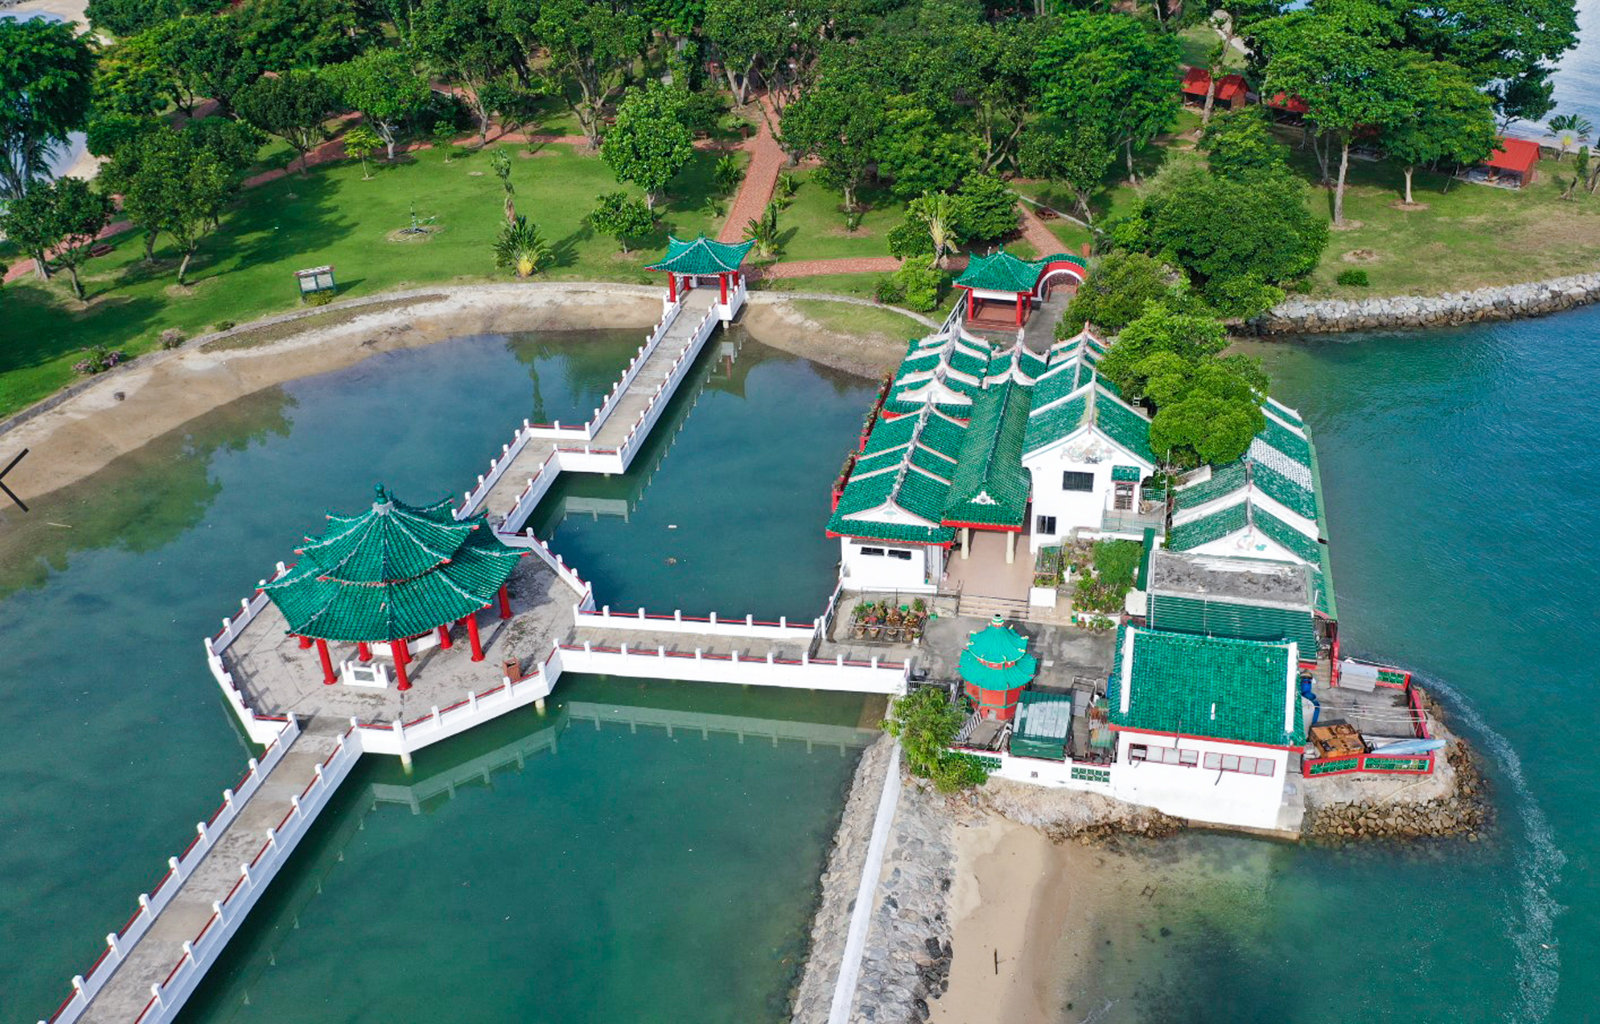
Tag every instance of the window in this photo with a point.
(1124, 496)
(872, 551)
(900, 553)
(1243, 765)
(1164, 755)
(1072, 480)
(1047, 524)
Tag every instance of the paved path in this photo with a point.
(1036, 234)
(152, 959)
(760, 178)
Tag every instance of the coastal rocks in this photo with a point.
(1462, 812)
(1506, 302)
(810, 1000)
(1064, 814)
(906, 964)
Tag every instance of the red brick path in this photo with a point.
(760, 178)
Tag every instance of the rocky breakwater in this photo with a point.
(1450, 803)
(1504, 302)
(1069, 814)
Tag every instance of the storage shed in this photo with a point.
(1042, 724)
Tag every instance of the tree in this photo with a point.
(133, 77)
(177, 181)
(60, 220)
(988, 208)
(1109, 71)
(1449, 119)
(291, 106)
(837, 120)
(587, 48)
(500, 163)
(1231, 19)
(774, 40)
(1268, 236)
(464, 40)
(1077, 156)
(45, 76)
(995, 69)
(444, 138)
(207, 59)
(1340, 67)
(384, 86)
(918, 153)
(939, 213)
(361, 142)
(1119, 286)
(284, 34)
(1240, 143)
(622, 217)
(926, 722)
(126, 17)
(522, 248)
(1570, 130)
(763, 231)
(649, 144)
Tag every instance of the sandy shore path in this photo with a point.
(83, 429)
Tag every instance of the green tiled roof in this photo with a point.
(1133, 473)
(1041, 726)
(996, 658)
(1123, 425)
(1306, 548)
(702, 255)
(1287, 442)
(1046, 426)
(1284, 491)
(1001, 272)
(1283, 412)
(899, 468)
(1185, 536)
(1202, 686)
(394, 571)
(1224, 480)
(990, 487)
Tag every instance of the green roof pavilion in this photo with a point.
(1004, 277)
(394, 572)
(701, 257)
(996, 666)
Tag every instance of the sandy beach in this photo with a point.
(119, 412)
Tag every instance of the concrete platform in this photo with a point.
(279, 678)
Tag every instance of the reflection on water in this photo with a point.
(673, 842)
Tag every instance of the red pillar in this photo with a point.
(328, 677)
(364, 652)
(1019, 310)
(401, 656)
(472, 635)
(444, 637)
(969, 304)
(722, 282)
(505, 602)
(672, 287)
(305, 642)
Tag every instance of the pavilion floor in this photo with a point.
(277, 677)
(985, 573)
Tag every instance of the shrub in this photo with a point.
(1115, 563)
(320, 298)
(1353, 278)
(522, 248)
(925, 722)
(171, 338)
(910, 238)
(728, 173)
(921, 284)
(988, 209)
(223, 325)
(99, 360)
(889, 292)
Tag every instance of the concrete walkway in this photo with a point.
(152, 959)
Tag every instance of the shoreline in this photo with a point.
(1415, 312)
(83, 428)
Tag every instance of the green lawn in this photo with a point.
(860, 285)
(1196, 43)
(244, 270)
(849, 318)
(812, 226)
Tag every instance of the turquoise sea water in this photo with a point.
(115, 739)
(1462, 472)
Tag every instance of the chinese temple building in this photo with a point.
(392, 575)
(1012, 285)
(700, 257)
(995, 667)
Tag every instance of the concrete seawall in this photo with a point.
(1504, 302)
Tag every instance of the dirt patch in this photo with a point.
(1349, 225)
(250, 337)
(780, 324)
(474, 174)
(1361, 256)
(411, 236)
(1408, 207)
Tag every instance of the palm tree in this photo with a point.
(763, 231)
(938, 210)
(522, 248)
(1570, 130)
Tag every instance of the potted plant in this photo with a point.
(874, 624)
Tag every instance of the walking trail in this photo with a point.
(760, 178)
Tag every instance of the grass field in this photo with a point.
(812, 226)
(331, 216)
(848, 318)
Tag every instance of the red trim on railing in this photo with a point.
(303, 793)
(205, 927)
(333, 755)
(166, 875)
(99, 960)
(217, 813)
(142, 1012)
(498, 687)
(186, 849)
(173, 973)
(376, 725)
(418, 721)
(124, 929)
(457, 704)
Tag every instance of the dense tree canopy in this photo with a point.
(58, 221)
(1119, 286)
(649, 144)
(291, 106)
(384, 86)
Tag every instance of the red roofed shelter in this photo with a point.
(1231, 89)
(1517, 158)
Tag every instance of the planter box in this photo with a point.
(1042, 597)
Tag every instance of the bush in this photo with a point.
(921, 284)
(989, 209)
(171, 338)
(925, 722)
(704, 110)
(320, 298)
(889, 292)
(1115, 292)
(1353, 278)
(909, 239)
(99, 360)
(1105, 589)
(223, 325)
(728, 173)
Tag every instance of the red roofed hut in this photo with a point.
(1286, 108)
(1516, 158)
(1231, 89)
(393, 574)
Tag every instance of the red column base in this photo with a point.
(472, 635)
(505, 602)
(328, 678)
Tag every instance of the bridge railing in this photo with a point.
(120, 943)
(874, 675)
(668, 387)
(402, 737)
(748, 627)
